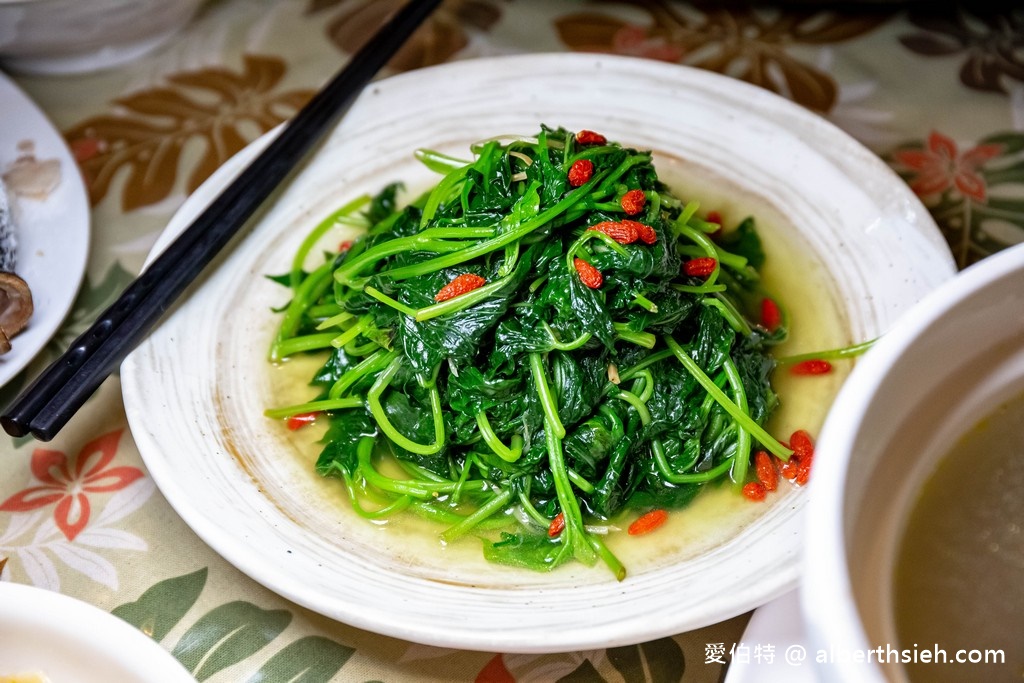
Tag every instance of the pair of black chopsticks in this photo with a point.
(50, 401)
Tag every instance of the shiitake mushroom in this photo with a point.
(15, 308)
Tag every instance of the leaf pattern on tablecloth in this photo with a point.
(226, 635)
(991, 41)
(741, 40)
(441, 37)
(230, 633)
(143, 143)
(974, 195)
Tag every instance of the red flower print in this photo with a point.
(68, 483)
(636, 41)
(941, 167)
(495, 672)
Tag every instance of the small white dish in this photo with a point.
(195, 391)
(773, 648)
(52, 231)
(78, 36)
(951, 361)
(70, 641)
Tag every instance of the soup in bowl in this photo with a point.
(915, 553)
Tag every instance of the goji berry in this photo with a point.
(790, 469)
(803, 447)
(755, 491)
(633, 202)
(620, 232)
(714, 217)
(771, 314)
(557, 524)
(589, 137)
(301, 420)
(589, 275)
(466, 282)
(344, 246)
(647, 522)
(803, 473)
(700, 267)
(646, 232)
(814, 366)
(580, 172)
(766, 472)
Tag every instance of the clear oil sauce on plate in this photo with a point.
(959, 580)
(716, 515)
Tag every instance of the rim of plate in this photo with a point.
(189, 456)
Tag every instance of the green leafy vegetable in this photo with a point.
(533, 394)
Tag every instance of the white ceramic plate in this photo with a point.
(70, 641)
(52, 233)
(195, 391)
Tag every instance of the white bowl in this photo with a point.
(67, 639)
(75, 36)
(955, 357)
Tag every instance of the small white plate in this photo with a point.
(70, 641)
(52, 232)
(195, 391)
(774, 647)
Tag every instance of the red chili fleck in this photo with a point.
(646, 232)
(344, 246)
(466, 282)
(700, 267)
(580, 172)
(620, 232)
(771, 314)
(755, 491)
(589, 137)
(714, 217)
(648, 522)
(589, 275)
(766, 472)
(633, 202)
(802, 445)
(557, 524)
(301, 420)
(815, 366)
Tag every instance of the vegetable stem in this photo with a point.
(742, 418)
(373, 401)
(547, 399)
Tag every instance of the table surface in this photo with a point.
(939, 96)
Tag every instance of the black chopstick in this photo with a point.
(60, 390)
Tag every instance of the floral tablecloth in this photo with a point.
(938, 94)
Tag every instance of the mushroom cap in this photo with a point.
(15, 306)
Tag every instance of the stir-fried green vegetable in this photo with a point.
(533, 376)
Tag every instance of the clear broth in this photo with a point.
(959, 579)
